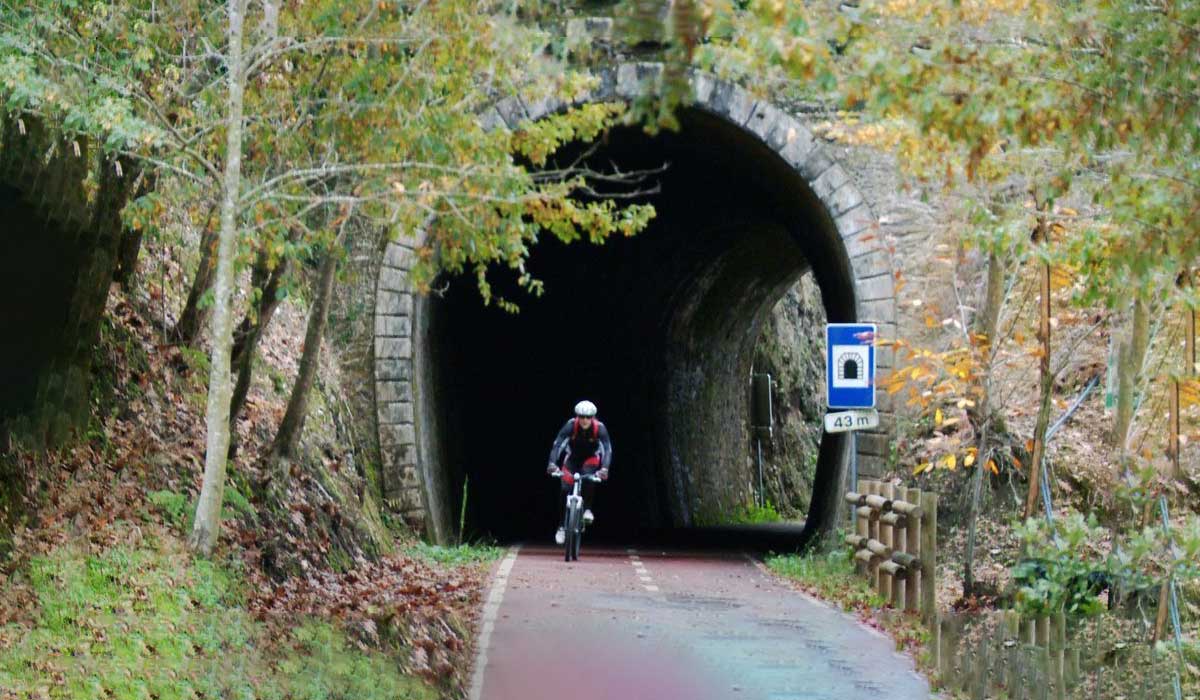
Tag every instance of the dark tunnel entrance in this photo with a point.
(658, 330)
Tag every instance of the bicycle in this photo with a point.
(573, 526)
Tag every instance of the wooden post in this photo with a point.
(1174, 419)
(900, 544)
(1012, 633)
(1160, 620)
(886, 580)
(912, 545)
(929, 504)
(1058, 640)
(873, 533)
(861, 526)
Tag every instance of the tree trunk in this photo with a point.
(1046, 395)
(1129, 369)
(208, 510)
(249, 332)
(187, 328)
(290, 428)
(131, 241)
(987, 325)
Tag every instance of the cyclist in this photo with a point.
(582, 447)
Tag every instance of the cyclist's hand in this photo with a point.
(603, 474)
(551, 468)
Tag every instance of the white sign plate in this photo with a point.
(844, 421)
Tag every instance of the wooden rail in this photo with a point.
(895, 543)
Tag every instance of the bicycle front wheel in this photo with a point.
(571, 546)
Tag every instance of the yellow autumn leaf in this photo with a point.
(923, 467)
(969, 460)
(950, 462)
(937, 417)
(991, 464)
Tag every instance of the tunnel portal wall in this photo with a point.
(415, 471)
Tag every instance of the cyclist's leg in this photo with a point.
(590, 466)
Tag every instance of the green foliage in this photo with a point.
(458, 555)
(1061, 560)
(146, 622)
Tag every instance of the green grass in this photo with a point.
(151, 622)
(748, 514)
(179, 509)
(828, 575)
(461, 555)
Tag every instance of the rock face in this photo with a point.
(791, 349)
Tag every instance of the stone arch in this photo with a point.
(413, 482)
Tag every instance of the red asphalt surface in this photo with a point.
(653, 625)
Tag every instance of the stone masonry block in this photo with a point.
(398, 255)
(877, 287)
(763, 120)
(702, 86)
(637, 79)
(829, 182)
(740, 106)
(873, 263)
(817, 162)
(393, 279)
(543, 106)
(798, 148)
(846, 199)
(874, 444)
(490, 119)
(785, 130)
(855, 223)
(397, 412)
(879, 310)
(394, 303)
(606, 86)
(388, 326)
(389, 348)
(512, 109)
(399, 368)
(871, 466)
(394, 436)
(393, 391)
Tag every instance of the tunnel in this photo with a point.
(658, 330)
(39, 265)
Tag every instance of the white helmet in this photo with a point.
(585, 409)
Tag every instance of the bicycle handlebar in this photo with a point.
(557, 474)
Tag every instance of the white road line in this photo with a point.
(640, 569)
(490, 609)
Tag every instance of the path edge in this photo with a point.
(487, 621)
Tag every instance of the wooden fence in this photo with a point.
(1000, 654)
(895, 543)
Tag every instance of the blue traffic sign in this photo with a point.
(850, 365)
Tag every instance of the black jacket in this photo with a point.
(584, 444)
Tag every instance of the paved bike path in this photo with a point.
(631, 625)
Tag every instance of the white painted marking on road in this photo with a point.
(652, 589)
(490, 610)
(645, 579)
